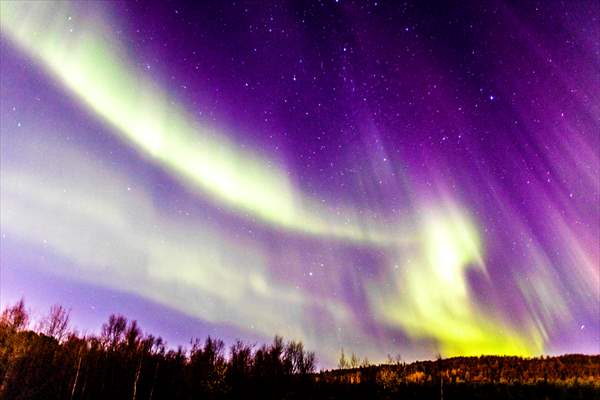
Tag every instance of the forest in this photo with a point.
(51, 361)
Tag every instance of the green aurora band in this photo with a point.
(429, 300)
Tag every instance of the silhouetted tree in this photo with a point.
(112, 331)
(123, 363)
(15, 318)
(56, 323)
(343, 362)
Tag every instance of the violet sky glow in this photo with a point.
(387, 178)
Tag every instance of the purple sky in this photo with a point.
(380, 176)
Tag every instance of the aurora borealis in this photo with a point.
(380, 177)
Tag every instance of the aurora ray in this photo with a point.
(381, 187)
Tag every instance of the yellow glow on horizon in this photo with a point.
(431, 298)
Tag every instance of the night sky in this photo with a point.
(383, 177)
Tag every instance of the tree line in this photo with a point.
(570, 369)
(50, 361)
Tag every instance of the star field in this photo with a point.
(381, 177)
